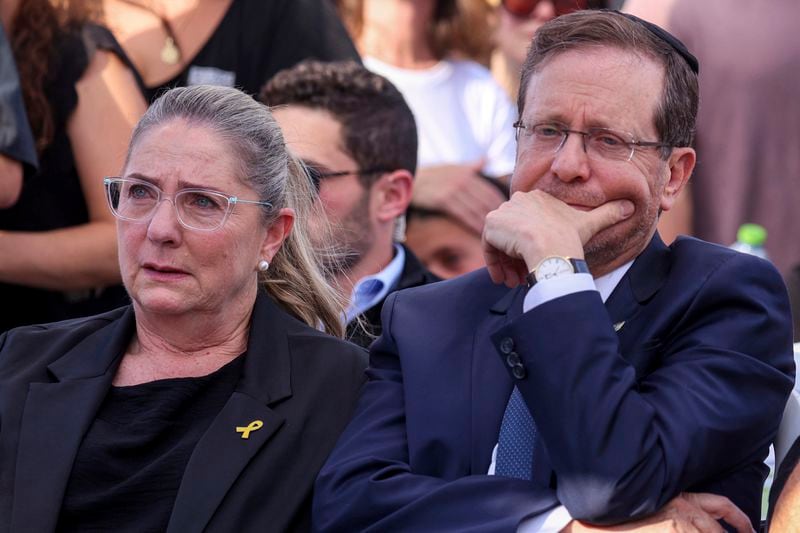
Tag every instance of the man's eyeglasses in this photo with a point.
(198, 209)
(317, 175)
(599, 143)
(524, 8)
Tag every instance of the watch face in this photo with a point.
(552, 267)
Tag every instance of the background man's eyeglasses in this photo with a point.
(602, 143)
(317, 175)
(198, 209)
(524, 8)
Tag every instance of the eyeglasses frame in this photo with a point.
(232, 202)
(632, 144)
(317, 176)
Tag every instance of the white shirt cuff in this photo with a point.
(550, 289)
(549, 522)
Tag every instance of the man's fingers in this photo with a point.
(705, 523)
(502, 268)
(721, 508)
(604, 216)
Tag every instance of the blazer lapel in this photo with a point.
(645, 277)
(222, 453)
(219, 458)
(55, 419)
(491, 384)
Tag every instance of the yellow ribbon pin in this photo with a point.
(255, 425)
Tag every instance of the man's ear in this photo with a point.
(277, 232)
(680, 165)
(391, 194)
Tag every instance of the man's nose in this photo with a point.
(570, 161)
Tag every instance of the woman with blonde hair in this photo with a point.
(211, 402)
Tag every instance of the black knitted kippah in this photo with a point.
(668, 38)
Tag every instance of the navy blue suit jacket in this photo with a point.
(686, 395)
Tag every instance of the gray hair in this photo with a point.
(676, 112)
(297, 276)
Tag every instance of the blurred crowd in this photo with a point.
(457, 64)
(86, 70)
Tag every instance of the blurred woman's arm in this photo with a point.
(10, 181)
(85, 256)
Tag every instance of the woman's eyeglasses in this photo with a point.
(198, 209)
(524, 8)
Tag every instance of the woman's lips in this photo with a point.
(163, 271)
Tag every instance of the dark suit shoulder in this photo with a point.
(329, 349)
(692, 253)
(323, 356)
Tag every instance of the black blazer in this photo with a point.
(300, 382)
(414, 274)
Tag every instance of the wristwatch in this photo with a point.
(555, 265)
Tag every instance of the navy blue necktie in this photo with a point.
(516, 441)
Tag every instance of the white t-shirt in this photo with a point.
(462, 114)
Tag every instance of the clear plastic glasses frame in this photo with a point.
(197, 209)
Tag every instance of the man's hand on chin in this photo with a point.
(534, 225)
(689, 513)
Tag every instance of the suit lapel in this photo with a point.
(645, 277)
(55, 419)
(222, 454)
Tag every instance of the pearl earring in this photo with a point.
(263, 265)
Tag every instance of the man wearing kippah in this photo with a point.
(590, 375)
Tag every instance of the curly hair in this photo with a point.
(34, 33)
(378, 128)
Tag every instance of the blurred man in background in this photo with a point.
(356, 134)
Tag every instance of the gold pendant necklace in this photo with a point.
(170, 53)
